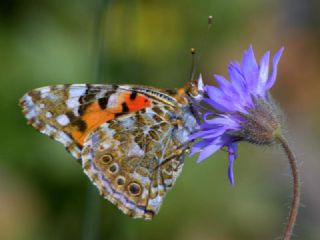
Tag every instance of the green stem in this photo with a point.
(92, 209)
(296, 188)
(99, 40)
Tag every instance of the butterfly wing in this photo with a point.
(131, 139)
(135, 160)
(69, 113)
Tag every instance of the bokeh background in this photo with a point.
(43, 192)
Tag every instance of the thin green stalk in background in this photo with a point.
(92, 209)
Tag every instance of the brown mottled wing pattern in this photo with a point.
(134, 160)
(131, 139)
(69, 113)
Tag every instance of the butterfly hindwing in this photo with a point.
(134, 169)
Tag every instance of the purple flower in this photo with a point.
(240, 109)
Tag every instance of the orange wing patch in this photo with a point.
(98, 112)
(135, 101)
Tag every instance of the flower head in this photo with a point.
(240, 109)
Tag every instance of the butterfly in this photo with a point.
(131, 140)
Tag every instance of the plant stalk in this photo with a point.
(92, 208)
(295, 201)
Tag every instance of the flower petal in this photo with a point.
(224, 84)
(249, 60)
(263, 73)
(199, 145)
(275, 62)
(221, 104)
(210, 149)
(212, 91)
(250, 68)
(232, 150)
(216, 105)
(212, 133)
(221, 101)
(225, 121)
(237, 79)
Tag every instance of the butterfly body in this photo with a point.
(131, 140)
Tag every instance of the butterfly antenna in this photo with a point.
(196, 59)
(193, 63)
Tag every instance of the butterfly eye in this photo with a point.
(134, 188)
(106, 159)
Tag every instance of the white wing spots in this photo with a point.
(48, 115)
(144, 193)
(144, 180)
(44, 92)
(150, 112)
(79, 85)
(183, 135)
(48, 129)
(28, 100)
(72, 102)
(31, 114)
(168, 182)
(77, 90)
(135, 151)
(108, 131)
(113, 100)
(63, 138)
(160, 188)
(155, 202)
(106, 145)
(63, 120)
(29, 107)
(101, 94)
(53, 97)
(128, 122)
(57, 135)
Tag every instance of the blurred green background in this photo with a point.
(43, 192)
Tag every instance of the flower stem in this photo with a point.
(296, 188)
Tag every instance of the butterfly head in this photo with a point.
(194, 88)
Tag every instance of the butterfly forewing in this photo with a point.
(68, 113)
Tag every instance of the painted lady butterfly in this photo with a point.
(130, 139)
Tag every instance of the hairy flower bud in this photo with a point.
(261, 123)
